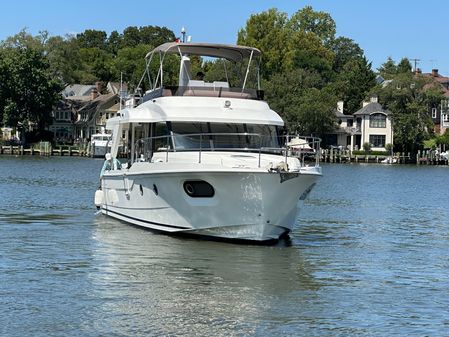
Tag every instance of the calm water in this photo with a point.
(370, 257)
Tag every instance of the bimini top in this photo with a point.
(229, 52)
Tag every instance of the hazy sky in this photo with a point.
(395, 28)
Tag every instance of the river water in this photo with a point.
(369, 257)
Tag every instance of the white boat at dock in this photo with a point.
(206, 157)
(100, 143)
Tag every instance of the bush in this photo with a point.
(371, 153)
(366, 147)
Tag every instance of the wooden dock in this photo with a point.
(346, 156)
(45, 149)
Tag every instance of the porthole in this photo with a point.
(198, 189)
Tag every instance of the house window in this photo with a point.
(349, 122)
(377, 140)
(377, 121)
(434, 112)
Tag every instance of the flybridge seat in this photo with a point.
(212, 89)
(215, 84)
(204, 89)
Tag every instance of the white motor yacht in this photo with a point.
(100, 144)
(206, 156)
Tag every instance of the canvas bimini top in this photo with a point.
(230, 52)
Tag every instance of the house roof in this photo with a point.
(338, 114)
(96, 105)
(371, 108)
(441, 81)
(77, 90)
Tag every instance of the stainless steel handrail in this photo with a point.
(312, 142)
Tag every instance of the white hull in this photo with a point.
(247, 204)
(99, 150)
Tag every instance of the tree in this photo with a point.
(29, 92)
(284, 90)
(63, 55)
(155, 35)
(345, 50)
(131, 37)
(91, 38)
(316, 116)
(131, 63)
(306, 51)
(388, 69)
(114, 42)
(354, 82)
(404, 66)
(408, 97)
(266, 31)
(319, 23)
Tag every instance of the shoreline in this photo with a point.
(47, 150)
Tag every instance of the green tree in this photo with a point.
(408, 97)
(345, 50)
(267, 32)
(306, 51)
(29, 92)
(354, 82)
(284, 90)
(404, 66)
(91, 38)
(309, 21)
(95, 65)
(114, 42)
(130, 62)
(131, 37)
(155, 35)
(388, 69)
(63, 54)
(316, 116)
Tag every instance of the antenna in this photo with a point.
(416, 61)
(433, 61)
(183, 32)
(121, 90)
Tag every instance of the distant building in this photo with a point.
(374, 125)
(371, 124)
(439, 112)
(84, 109)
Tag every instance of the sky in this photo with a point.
(393, 28)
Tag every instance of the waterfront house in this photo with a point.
(438, 112)
(371, 124)
(83, 110)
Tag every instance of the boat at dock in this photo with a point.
(100, 143)
(208, 156)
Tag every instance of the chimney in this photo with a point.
(93, 94)
(373, 98)
(435, 72)
(365, 103)
(340, 106)
(418, 71)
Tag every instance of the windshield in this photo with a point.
(223, 136)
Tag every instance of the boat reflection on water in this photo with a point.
(157, 280)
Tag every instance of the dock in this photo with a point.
(46, 149)
(346, 156)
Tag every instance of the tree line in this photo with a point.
(306, 69)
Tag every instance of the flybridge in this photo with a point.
(177, 69)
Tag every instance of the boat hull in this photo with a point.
(257, 205)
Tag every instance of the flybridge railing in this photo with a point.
(307, 149)
(203, 91)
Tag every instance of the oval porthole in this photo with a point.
(198, 189)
